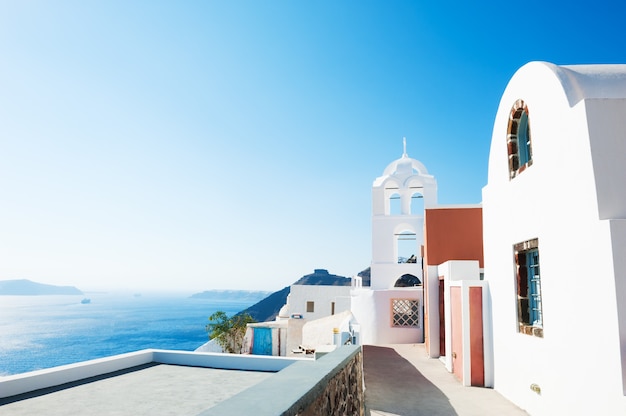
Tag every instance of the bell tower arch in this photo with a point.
(399, 198)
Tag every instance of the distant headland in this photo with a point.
(24, 287)
(267, 309)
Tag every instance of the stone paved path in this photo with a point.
(402, 380)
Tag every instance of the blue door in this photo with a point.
(262, 344)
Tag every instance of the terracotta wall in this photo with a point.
(450, 234)
(477, 349)
(453, 234)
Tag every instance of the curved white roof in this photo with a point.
(579, 108)
(580, 82)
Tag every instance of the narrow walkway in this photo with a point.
(402, 380)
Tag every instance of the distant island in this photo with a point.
(24, 287)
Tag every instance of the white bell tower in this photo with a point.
(399, 198)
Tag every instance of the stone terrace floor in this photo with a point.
(163, 390)
(402, 380)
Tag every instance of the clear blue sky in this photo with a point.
(189, 145)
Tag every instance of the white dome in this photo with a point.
(403, 169)
(284, 311)
(405, 166)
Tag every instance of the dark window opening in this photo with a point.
(519, 144)
(528, 288)
(408, 280)
(405, 312)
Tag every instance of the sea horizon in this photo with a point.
(39, 332)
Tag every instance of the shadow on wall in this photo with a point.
(393, 385)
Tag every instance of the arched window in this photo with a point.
(395, 204)
(408, 280)
(417, 203)
(406, 247)
(519, 145)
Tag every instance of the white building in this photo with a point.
(554, 215)
(305, 304)
(391, 309)
(317, 301)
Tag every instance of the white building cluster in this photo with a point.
(526, 292)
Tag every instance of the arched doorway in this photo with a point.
(408, 280)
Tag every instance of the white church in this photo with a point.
(390, 310)
(387, 309)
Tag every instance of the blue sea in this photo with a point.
(38, 332)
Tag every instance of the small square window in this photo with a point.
(405, 312)
(310, 306)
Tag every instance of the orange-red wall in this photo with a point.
(477, 348)
(453, 234)
(450, 234)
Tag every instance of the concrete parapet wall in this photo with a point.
(224, 361)
(56, 376)
(332, 385)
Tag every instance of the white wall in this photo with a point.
(608, 147)
(365, 314)
(577, 363)
(384, 276)
(320, 331)
(294, 336)
(384, 248)
(466, 274)
(433, 311)
(323, 296)
(618, 236)
(372, 310)
(211, 346)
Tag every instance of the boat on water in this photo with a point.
(85, 301)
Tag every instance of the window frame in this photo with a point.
(396, 303)
(520, 155)
(530, 319)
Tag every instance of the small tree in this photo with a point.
(229, 332)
